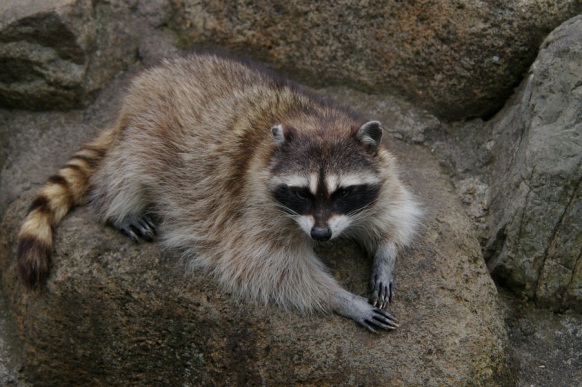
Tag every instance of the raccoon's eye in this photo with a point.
(302, 193)
(342, 193)
(294, 200)
(348, 200)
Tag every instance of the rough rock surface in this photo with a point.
(535, 226)
(456, 58)
(44, 52)
(547, 345)
(10, 346)
(55, 54)
(117, 313)
(427, 54)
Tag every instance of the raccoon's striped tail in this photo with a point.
(62, 192)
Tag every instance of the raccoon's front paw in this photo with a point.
(137, 227)
(371, 318)
(382, 288)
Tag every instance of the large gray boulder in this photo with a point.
(535, 227)
(55, 54)
(115, 313)
(456, 58)
(44, 52)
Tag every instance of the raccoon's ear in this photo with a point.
(370, 135)
(281, 134)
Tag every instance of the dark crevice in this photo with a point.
(553, 236)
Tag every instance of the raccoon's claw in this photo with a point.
(138, 227)
(366, 315)
(380, 319)
(381, 294)
(382, 289)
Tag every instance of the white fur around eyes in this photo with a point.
(360, 179)
(313, 179)
(334, 182)
(292, 180)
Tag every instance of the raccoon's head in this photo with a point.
(326, 183)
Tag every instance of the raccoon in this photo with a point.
(244, 172)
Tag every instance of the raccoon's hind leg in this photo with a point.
(120, 196)
(137, 227)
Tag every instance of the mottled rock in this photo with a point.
(547, 345)
(118, 313)
(535, 240)
(456, 58)
(54, 54)
(44, 52)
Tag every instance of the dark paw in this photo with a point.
(366, 315)
(382, 290)
(137, 228)
(379, 318)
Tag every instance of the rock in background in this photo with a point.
(457, 59)
(532, 242)
(535, 237)
(55, 54)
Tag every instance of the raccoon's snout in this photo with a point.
(321, 234)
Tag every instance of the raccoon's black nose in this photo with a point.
(321, 234)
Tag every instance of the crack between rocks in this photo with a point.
(553, 237)
(579, 258)
(574, 270)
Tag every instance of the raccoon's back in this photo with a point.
(195, 124)
(206, 91)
